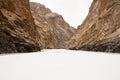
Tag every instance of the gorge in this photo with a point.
(29, 27)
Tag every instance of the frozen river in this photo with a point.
(60, 64)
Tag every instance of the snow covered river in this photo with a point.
(60, 64)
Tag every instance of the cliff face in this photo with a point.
(101, 29)
(17, 29)
(51, 26)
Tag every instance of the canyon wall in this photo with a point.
(100, 31)
(53, 29)
(17, 28)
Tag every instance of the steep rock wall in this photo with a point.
(54, 30)
(17, 28)
(101, 29)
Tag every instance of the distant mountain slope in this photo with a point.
(101, 29)
(54, 31)
(17, 29)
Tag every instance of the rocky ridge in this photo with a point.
(101, 29)
(54, 31)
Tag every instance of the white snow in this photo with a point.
(60, 64)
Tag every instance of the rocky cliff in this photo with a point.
(101, 29)
(54, 31)
(17, 29)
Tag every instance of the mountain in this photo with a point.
(100, 31)
(17, 28)
(53, 29)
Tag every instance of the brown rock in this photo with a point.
(52, 27)
(17, 29)
(101, 29)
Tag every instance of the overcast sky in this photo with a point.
(73, 11)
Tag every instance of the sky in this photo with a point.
(73, 11)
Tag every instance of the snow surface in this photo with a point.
(60, 64)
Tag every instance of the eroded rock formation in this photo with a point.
(17, 29)
(51, 26)
(101, 29)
